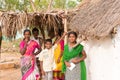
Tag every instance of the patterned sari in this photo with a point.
(79, 72)
(57, 73)
(28, 62)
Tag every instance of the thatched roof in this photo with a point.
(96, 18)
(13, 22)
(92, 18)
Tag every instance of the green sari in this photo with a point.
(68, 55)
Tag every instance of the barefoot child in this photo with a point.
(47, 59)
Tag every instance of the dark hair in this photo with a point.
(74, 33)
(27, 30)
(60, 32)
(48, 40)
(35, 29)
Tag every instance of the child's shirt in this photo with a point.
(37, 40)
(47, 56)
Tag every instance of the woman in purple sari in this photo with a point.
(29, 68)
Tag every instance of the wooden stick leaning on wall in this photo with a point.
(49, 6)
(65, 26)
(0, 40)
(33, 5)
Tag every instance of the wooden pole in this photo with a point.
(49, 6)
(0, 40)
(65, 26)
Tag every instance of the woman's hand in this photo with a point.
(26, 43)
(75, 61)
(43, 72)
(65, 33)
(58, 60)
(27, 40)
(39, 50)
(22, 51)
(25, 46)
(67, 64)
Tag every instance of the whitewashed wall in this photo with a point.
(103, 58)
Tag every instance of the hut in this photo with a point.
(98, 21)
(11, 22)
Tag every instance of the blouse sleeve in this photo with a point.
(21, 45)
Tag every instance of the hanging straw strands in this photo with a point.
(13, 22)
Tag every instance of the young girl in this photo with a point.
(57, 72)
(28, 61)
(75, 55)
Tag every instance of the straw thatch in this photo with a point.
(13, 22)
(0, 38)
(92, 18)
(96, 18)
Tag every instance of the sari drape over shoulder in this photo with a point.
(57, 72)
(28, 61)
(57, 52)
(68, 55)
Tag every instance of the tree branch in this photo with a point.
(33, 6)
(49, 6)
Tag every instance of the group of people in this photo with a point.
(57, 61)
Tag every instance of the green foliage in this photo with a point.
(79, 0)
(59, 4)
(22, 5)
(14, 5)
(71, 4)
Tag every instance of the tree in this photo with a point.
(59, 4)
(71, 4)
(22, 5)
(15, 5)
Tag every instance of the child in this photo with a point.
(47, 59)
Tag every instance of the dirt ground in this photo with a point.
(10, 73)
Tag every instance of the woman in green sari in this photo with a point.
(73, 57)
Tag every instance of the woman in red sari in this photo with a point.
(28, 63)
